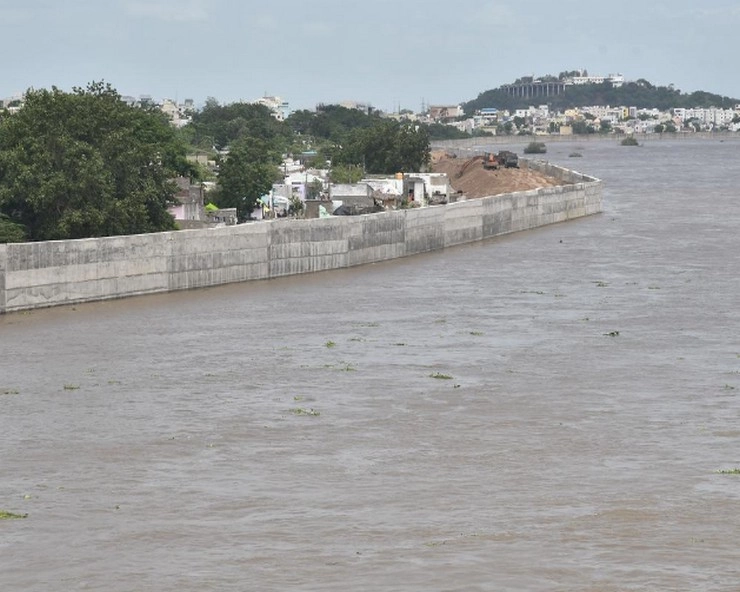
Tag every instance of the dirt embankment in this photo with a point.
(469, 177)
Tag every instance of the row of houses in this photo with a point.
(305, 189)
(179, 112)
(622, 119)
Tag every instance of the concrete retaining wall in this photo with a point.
(42, 274)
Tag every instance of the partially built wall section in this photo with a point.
(53, 273)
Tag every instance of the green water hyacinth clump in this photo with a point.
(11, 516)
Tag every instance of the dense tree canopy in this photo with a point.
(440, 131)
(217, 126)
(252, 141)
(346, 173)
(331, 122)
(353, 138)
(86, 164)
(387, 147)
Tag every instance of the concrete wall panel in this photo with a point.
(425, 230)
(463, 221)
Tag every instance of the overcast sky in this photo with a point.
(389, 53)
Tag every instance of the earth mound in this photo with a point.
(469, 177)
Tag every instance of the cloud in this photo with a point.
(169, 10)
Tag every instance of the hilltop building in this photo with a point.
(616, 80)
(280, 109)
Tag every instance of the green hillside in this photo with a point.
(641, 94)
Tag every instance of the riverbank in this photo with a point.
(44, 274)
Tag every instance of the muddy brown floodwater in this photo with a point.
(551, 410)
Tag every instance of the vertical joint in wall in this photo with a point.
(3, 271)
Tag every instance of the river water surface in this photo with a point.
(551, 410)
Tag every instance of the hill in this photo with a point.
(641, 94)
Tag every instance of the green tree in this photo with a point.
(246, 173)
(297, 207)
(440, 131)
(217, 126)
(481, 133)
(506, 129)
(314, 189)
(328, 129)
(331, 123)
(301, 121)
(387, 147)
(11, 232)
(582, 127)
(414, 151)
(86, 164)
(346, 173)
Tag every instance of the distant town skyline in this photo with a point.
(392, 54)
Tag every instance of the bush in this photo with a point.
(535, 148)
(11, 232)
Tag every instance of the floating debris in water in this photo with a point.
(440, 376)
(302, 411)
(11, 516)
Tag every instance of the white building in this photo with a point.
(357, 105)
(617, 80)
(280, 109)
(605, 113)
(709, 116)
